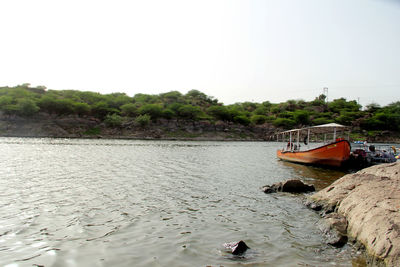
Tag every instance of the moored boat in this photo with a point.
(334, 153)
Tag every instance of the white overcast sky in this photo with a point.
(234, 50)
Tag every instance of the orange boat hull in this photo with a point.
(334, 154)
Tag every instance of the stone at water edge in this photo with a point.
(297, 186)
(290, 186)
(237, 248)
(334, 227)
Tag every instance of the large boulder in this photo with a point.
(290, 186)
(370, 202)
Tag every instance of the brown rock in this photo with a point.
(290, 186)
(370, 202)
(335, 229)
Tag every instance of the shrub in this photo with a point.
(113, 120)
(27, 107)
(82, 108)
(258, 119)
(242, 119)
(129, 109)
(321, 120)
(219, 112)
(284, 122)
(92, 131)
(154, 110)
(190, 112)
(143, 120)
(168, 113)
(301, 117)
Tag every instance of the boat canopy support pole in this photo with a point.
(290, 141)
(334, 134)
(298, 138)
(308, 139)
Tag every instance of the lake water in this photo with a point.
(155, 203)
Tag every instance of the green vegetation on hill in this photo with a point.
(115, 108)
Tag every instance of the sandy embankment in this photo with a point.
(369, 200)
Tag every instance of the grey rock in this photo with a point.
(237, 248)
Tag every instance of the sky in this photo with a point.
(233, 50)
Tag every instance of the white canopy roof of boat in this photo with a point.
(323, 128)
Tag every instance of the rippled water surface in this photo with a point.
(155, 203)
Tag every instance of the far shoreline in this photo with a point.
(195, 139)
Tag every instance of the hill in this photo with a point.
(38, 111)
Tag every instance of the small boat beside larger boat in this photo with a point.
(334, 153)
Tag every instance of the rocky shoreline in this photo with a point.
(364, 207)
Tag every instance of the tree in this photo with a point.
(249, 106)
(175, 107)
(5, 100)
(393, 108)
(154, 110)
(301, 117)
(348, 117)
(130, 110)
(261, 110)
(171, 97)
(322, 97)
(168, 114)
(242, 119)
(90, 98)
(48, 103)
(27, 107)
(82, 109)
(372, 107)
(143, 120)
(113, 120)
(116, 100)
(145, 99)
(190, 112)
(284, 122)
(196, 95)
(291, 105)
(101, 109)
(258, 119)
(219, 112)
(341, 104)
(321, 120)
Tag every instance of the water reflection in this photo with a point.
(318, 176)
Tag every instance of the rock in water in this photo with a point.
(296, 186)
(291, 186)
(237, 248)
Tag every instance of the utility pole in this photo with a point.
(325, 92)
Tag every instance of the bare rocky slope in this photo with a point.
(369, 201)
(46, 125)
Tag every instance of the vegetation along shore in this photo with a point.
(41, 112)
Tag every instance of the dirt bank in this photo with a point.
(370, 202)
